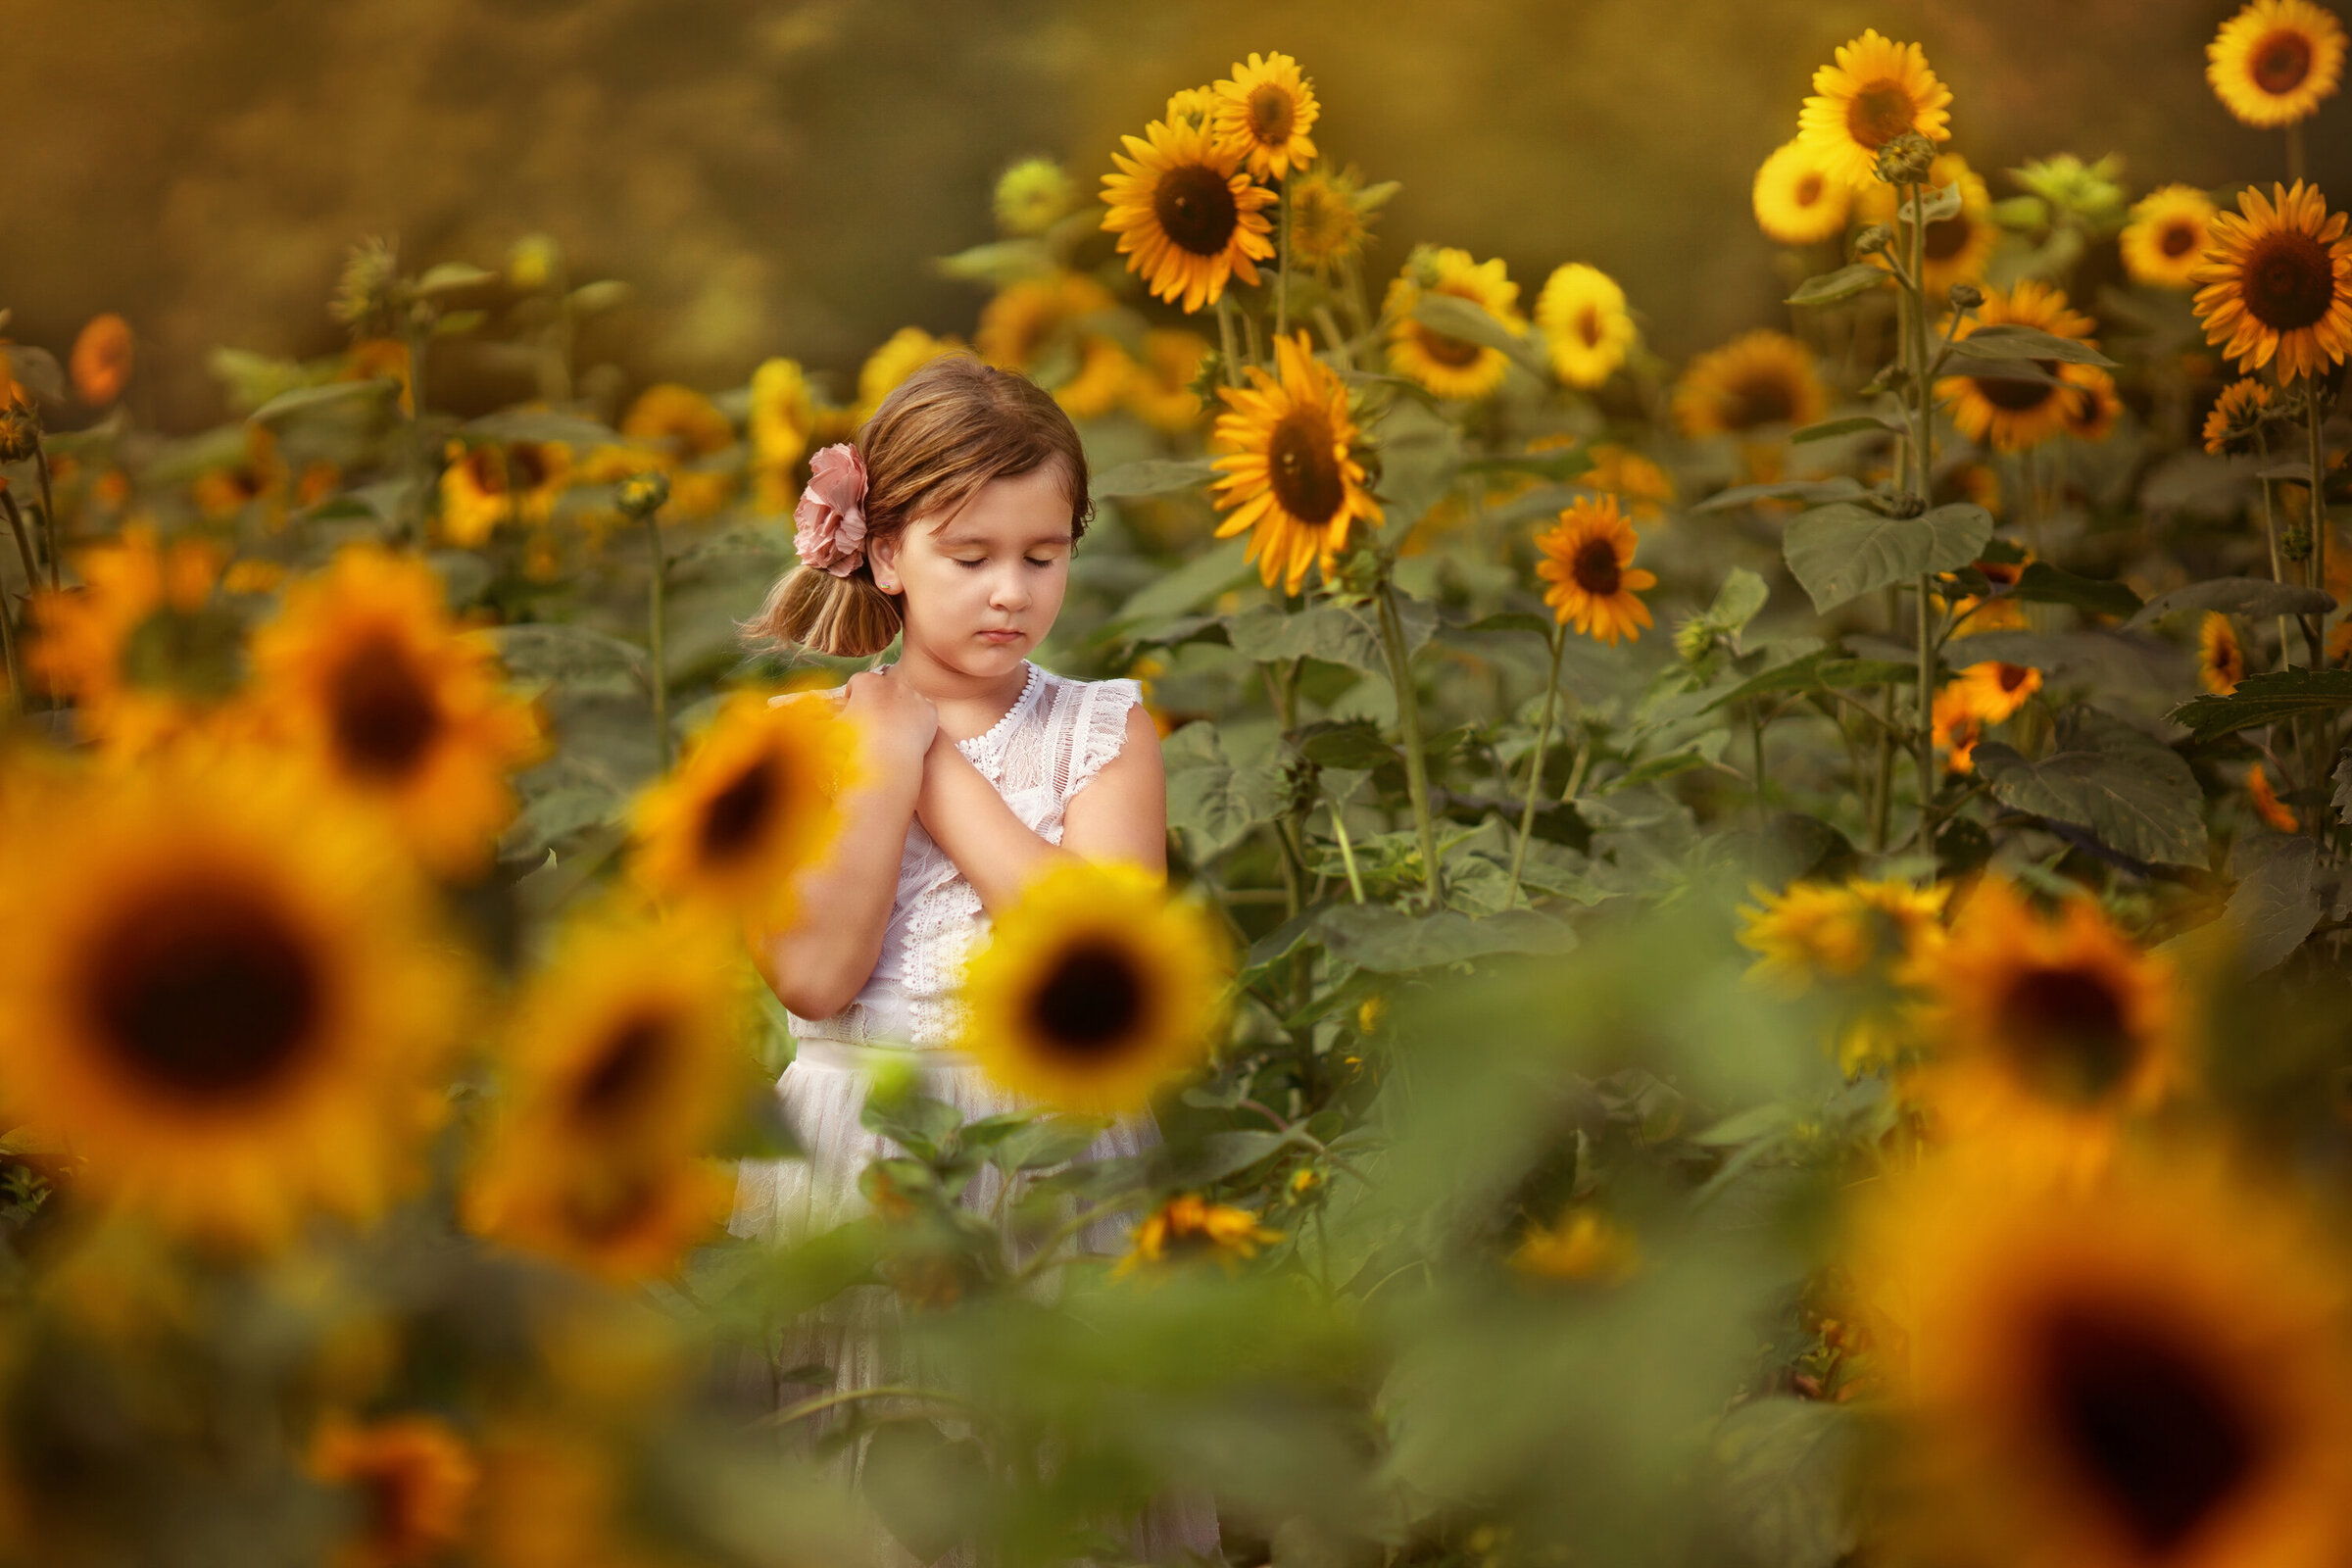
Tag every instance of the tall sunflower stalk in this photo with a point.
(1409, 734)
(1558, 635)
(642, 498)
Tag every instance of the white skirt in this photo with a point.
(788, 1200)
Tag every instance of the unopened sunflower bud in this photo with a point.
(1906, 160)
(1906, 506)
(644, 494)
(1034, 195)
(1870, 240)
(20, 432)
(1967, 297)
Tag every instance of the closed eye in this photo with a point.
(1034, 562)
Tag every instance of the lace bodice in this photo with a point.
(1056, 736)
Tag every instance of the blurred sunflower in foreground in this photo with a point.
(413, 1478)
(1287, 466)
(406, 712)
(144, 648)
(490, 483)
(2167, 235)
(2148, 1368)
(1188, 1227)
(202, 1013)
(1798, 198)
(1095, 990)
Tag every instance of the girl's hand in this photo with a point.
(896, 723)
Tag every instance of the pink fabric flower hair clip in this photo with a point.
(829, 523)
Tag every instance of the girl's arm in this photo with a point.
(1122, 815)
(820, 962)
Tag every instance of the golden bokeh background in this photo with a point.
(768, 174)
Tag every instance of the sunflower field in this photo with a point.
(1756, 973)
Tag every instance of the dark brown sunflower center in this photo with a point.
(1450, 351)
(1755, 400)
(488, 473)
(2066, 1029)
(1947, 237)
(1302, 468)
(1091, 1001)
(526, 465)
(1272, 114)
(1808, 191)
(2016, 396)
(2163, 1439)
(738, 813)
(1588, 325)
(2289, 280)
(204, 991)
(2281, 60)
(1196, 209)
(382, 715)
(625, 1064)
(2010, 676)
(2178, 239)
(394, 1502)
(1594, 567)
(1880, 113)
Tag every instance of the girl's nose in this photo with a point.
(1008, 592)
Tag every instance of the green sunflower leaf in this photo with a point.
(1842, 284)
(2266, 699)
(1474, 323)
(1375, 937)
(1831, 429)
(1843, 550)
(1837, 488)
(1782, 1490)
(2238, 596)
(2045, 585)
(1825, 670)
(1153, 476)
(2130, 790)
(2007, 340)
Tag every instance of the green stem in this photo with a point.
(40, 463)
(16, 526)
(826, 1401)
(1339, 830)
(7, 651)
(654, 620)
(1915, 349)
(2270, 532)
(1535, 774)
(1926, 742)
(1408, 725)
(1335, 337)
(415, 332)
(1882, 797)
(2319, 511)
(1755, 742)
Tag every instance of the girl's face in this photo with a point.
(982, 587)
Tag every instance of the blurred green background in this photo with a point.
(773, 175)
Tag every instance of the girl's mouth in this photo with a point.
(1001, 635)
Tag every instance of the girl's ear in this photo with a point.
(883, 557)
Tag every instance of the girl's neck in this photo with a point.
(968, 704)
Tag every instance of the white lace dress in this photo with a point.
(1056, 736)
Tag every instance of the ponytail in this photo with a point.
(844, 617)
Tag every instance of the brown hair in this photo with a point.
(948, 429)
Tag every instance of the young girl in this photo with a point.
(948, 524)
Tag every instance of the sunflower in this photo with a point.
(2058, 1024)
(684, 430)
(380, 359)
(2272, 62)
(2006, 412)
(1957, 724)
(1159, 389)
(412, 1478)
(1954, 249)
(1836, 932)
(887, 369)
(1876, 92)
(1585, 1247)
(1999, 689)
(1640, 485)
(1034, 322)
(259, 477)
(364, 668)
(101, 359)
(1286, 469)
(200, 1012)
(1192, 108)
(491, 483)
(1188, 1226)
(1588, 558)
(2278, 283)
(1262, 115)
(1331, 217)
(783, 412)
(2265, 802)
(2221, 659)
(144, 647)
(620, 1220)
(2089, 406)
(1095, 989)
(1033, 195)
(1762, 380)
(2111, 1374)
(1449, 366)
(1187, 217)
(2167, 235)
(1798, 201)
(1586, 326)
(2235, 418)
(752, 804)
